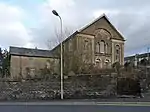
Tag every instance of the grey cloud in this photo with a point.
(135, 28)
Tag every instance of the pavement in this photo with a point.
(76, 106)
(73, 108)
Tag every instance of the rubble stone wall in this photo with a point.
(74, 87)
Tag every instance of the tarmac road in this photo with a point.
(75, 107)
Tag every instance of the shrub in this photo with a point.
(128, 86)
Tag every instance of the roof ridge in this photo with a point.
(90, 23)
(20, 51)
(28, 48)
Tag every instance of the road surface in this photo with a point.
(75, 107)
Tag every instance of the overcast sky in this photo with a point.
(30, 23)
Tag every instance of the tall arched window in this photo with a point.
(86, 45)
(97, 47)
(106, 48)
(102, 46)
(117, 53)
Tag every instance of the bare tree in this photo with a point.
(51, 43)
(76, 61)
(57, 38)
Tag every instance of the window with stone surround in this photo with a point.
(117, 53)
(98, 63)
(103, 35)
(102, 46)
(106, 48)
(86, 45)
(97, 47)
(107, 62)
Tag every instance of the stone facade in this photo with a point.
(99, 44)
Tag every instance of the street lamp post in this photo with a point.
(61, 55)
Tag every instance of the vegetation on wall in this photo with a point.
(4, 63)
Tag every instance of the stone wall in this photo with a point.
(78, 86)
(74, 87)
(28, 90)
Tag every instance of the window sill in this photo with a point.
(103, 53)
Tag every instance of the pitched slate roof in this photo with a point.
(20, 51)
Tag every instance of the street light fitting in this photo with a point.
(61, 53)
(55, 12)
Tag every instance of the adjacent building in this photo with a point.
(136, 59)
(24, 61)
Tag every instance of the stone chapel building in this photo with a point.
(98, 43)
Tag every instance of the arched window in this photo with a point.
(102, 46)
(106, 48)
(107, 63)
(86, 45)
(98, 63)
(102, 34)
(117, 53)
(97, 47)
